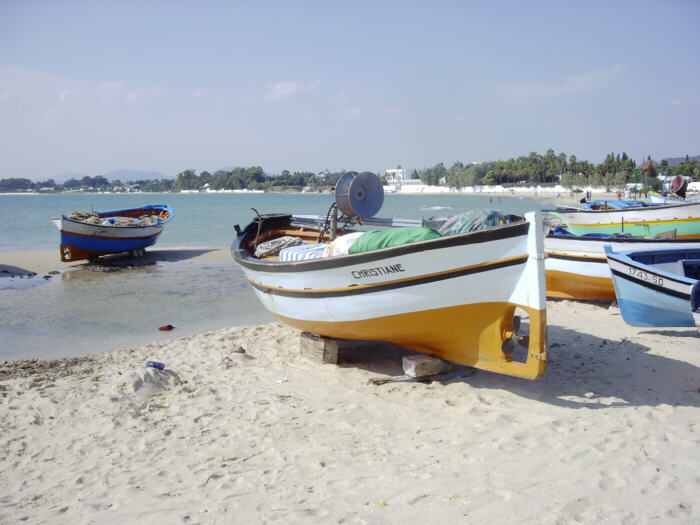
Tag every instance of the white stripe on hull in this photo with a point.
(94, 230)
(489, 286)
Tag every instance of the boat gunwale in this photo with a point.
(625, 210)
(625, 259)
(492, 234)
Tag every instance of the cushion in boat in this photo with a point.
(377, 239)
(303, 252)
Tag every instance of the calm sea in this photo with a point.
(84, 311)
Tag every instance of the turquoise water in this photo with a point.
(86, 311)
(205, 220)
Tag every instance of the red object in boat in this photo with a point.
(677, 183)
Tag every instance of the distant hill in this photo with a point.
(127, 174)
(677, 161)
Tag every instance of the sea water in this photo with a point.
(86, 311)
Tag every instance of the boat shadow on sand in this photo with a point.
(124, 260)
(584, 371)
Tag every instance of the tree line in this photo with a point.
(551, 168)
(614, 172)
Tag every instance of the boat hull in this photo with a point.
(638, 222)
(80, 240)
(656, 198)
(649, 296)
(577, 268)
(453, 297)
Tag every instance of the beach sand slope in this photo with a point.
(223, 436)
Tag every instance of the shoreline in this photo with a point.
(239, 426)
(22, 263)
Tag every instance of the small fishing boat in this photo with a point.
(637, 221)
(453, 296)
(657, 198)
(88, 235)
(657, 287)
(576, 265)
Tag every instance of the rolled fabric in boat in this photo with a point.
(341, 245)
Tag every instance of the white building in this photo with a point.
(397, 181)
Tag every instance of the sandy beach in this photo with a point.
(267, 435)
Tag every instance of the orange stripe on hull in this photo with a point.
(576, 286)
(469, 334)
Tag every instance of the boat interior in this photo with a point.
(685, 263)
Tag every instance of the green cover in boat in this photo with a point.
(377, 239)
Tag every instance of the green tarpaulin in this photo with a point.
(377, 239)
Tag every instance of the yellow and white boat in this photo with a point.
(453, 296)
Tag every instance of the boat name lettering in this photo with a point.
(379, 270)
(644, 276)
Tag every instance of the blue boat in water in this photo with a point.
(88, 235)
(657, 287)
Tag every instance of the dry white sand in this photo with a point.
(609, 434)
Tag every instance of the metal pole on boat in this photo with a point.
(623, 225)
(334, 223)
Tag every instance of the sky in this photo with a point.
(87, 87)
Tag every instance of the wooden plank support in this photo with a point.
(420, 365)
(327, 349)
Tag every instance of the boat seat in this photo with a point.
(691, 268)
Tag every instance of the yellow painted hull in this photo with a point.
(469, 334)
(565, 285)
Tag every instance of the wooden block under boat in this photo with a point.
(327, 349)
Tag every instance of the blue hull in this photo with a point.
(641, 306)
(95, 244)
(657, 287)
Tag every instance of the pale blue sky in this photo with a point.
(89, 87)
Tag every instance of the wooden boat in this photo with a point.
(453, 296)
(577, 268)
(88, 235)
(657, 287)
(637, 221)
